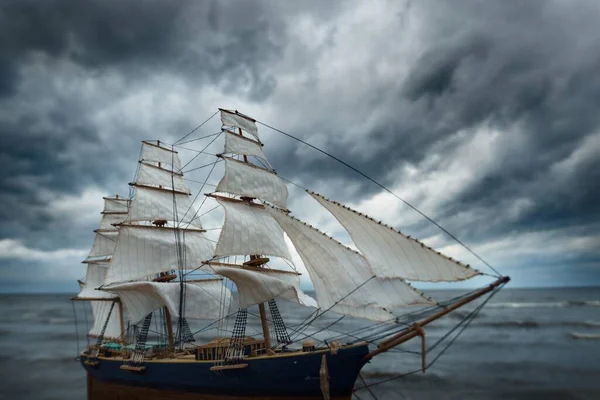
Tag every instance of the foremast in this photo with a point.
(243, 183)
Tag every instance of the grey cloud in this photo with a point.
(528, 71)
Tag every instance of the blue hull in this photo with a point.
(281, 376)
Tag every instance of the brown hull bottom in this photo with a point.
(99, 390)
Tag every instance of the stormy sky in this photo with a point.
(485, 115)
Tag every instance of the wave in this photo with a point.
(585, 336)
(552, 304)
(528, 323)
(515, 324)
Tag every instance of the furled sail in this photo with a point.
(392, 254)
(156, 153)
(343, 279)
(249, 230)
(237, 120)
(245, 179)
(237, 144)
(152, 175)
(150, 204)
(146, 250)
(204, 299)
(103, 247)
(259, 285)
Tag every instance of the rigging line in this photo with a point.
(191, 180)
(336, 303)
(368, 388)
(212, 209)
(76, 329)
(468, 320)
(469, 317)
(203, 200)
(193, 140)
(87, 326)
(294, 330)
(320, 330)
(196, 198)
(215, 322)
(203, 166)
(387, 190)
(200, 152)
(198, 127)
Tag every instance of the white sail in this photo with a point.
(248, 180)
(155, 153)
(116, 205)
(203, 298)
(237, 144)
(94, 278)
(250, 230)
(159, 177)
(100, 310)
(108, 219)
(256, 287)
(392, 254)
(144, 250)
(343, 279)
(230, 118)
(151, 204)
(103, 247)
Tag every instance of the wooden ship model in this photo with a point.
(147, 243)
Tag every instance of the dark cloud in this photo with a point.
(78, 91)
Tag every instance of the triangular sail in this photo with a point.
(343, 279)
(245, 179)
(249, 230)
(392, 254)
(204, 299)
(146, 250)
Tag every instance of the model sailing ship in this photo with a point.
(138, 275)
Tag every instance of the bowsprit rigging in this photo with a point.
(152, 263)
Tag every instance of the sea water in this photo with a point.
(525, 344)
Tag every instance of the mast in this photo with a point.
(250, 182)
(261, 307)
(151, 244)
(106, 324)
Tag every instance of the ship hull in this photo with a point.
(296, 375)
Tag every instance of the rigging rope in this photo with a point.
(198, 127)
(464, 323)
(76, 330)
(387, 190)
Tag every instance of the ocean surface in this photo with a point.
(525, 344)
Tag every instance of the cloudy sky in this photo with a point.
(485, 115)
